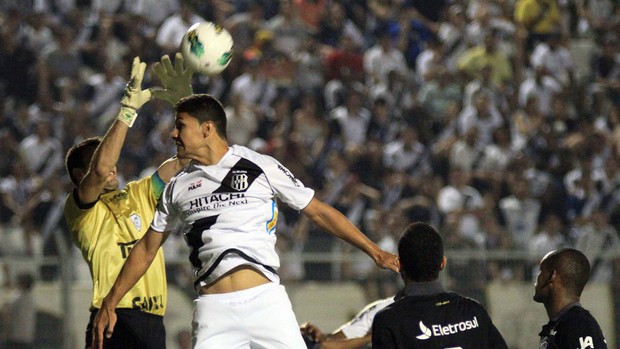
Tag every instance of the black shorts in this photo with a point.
(134, 329)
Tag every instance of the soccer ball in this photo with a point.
(207, 48)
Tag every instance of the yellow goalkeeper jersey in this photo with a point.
(106, 231)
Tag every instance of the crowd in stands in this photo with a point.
(497, 121)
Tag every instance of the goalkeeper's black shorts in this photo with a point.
(134, 329)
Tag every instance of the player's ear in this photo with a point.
(79, 173)
(206, 128)
(443, 263)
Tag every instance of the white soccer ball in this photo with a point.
(207, 48)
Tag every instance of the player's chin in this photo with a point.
(538, 298)
(112, 184)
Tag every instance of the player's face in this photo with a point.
(541, 287)
(187, 134)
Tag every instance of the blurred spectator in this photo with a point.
(289, 33)
(467, 151)
(541, 86)
(382, 58)
(352, 119)
(255, 88)
(555, 58)
(241, 118)
(385, 122)
(596, 16)
(276, 125)
(103, 91)
(244, 25)
(473, 60)
(460, 198)
(309, 72)
(521, 212)
(536, 19)
(465, 276)
(550, 237)
(41, 152)
(606, 69)
(311, 12)
(497, 239)
(414, 37)
(498, 94)
(172, 29)
(102, 42)
(345, 60)
(596, 238)
(481, 114)
(154, 11)
(18, 69)
(438, 94)
(310, 128)
(334, 25)
(406, 154)
(489, 170)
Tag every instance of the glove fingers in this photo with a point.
(178, 64)
(160, 72)
(167, 64)
(137, 73)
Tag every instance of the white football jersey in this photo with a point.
(228, 212)
(361, 324)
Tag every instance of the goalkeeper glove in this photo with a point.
(175, 80)
(135, 96)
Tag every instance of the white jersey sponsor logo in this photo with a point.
(446, 330)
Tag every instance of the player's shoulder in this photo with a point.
(247, 153)
(261, 160)
(577, 317)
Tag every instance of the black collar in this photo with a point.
(424, 288)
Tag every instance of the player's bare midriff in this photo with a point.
(238, 279)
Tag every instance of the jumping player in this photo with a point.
(225, 202)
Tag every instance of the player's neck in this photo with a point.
(559, 303)
(213, 153)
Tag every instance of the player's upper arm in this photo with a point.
(153, 240)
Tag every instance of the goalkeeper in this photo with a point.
(105, 222)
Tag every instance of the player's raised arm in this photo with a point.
(106, 156)
(137, 264)
(331, 220)
(175, 84)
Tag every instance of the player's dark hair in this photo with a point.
(79, 156)
(572, 265)
(204, 107)
(420, 250)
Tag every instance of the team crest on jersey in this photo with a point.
(239, 181)
(137, 222)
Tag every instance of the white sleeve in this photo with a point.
(165, 218)
(361, 324)
(286, 187)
